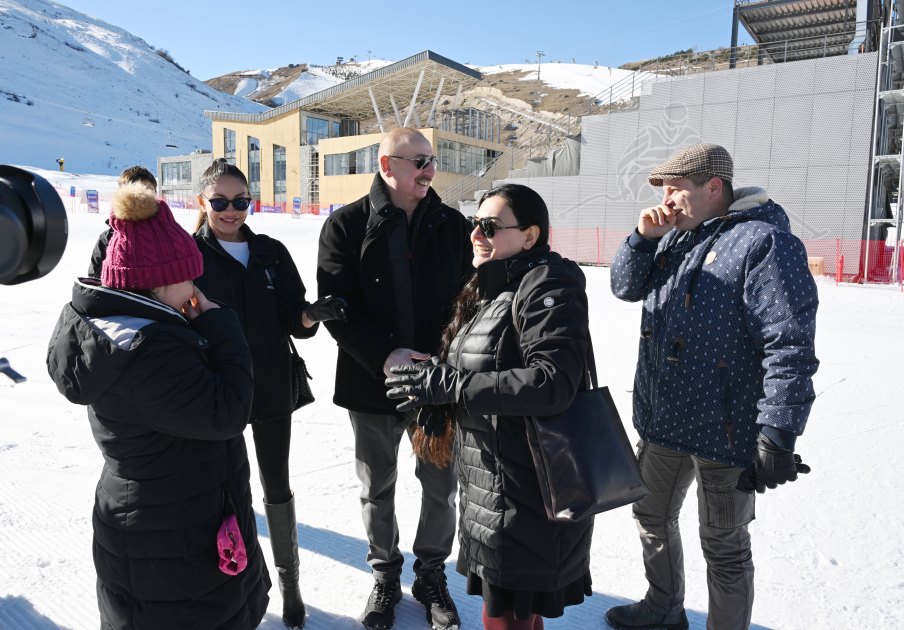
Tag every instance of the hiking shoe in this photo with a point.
(380, 611)
(639, 616)
(431, 591)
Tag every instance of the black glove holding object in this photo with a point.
(327, 308)
(771, 467)
(427, 383)
(432, 420)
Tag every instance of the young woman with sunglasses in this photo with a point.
(254, 275)
(516, 347)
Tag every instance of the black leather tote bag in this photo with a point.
(585, 463)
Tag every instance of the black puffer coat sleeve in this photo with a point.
(290, 292)
(99, 253)
(551, 314)
(190, 398)
(338, 275)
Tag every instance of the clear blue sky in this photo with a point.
(214, 38)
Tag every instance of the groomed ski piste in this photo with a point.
(827, 548)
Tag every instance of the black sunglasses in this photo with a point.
(219, 204)
(421, 161)
(488, 227)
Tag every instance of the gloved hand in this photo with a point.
(432, 420)
(426, 383)
(771, 467)
(327, 308)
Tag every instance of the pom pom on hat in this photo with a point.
(134, 202)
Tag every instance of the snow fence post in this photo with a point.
(597, 247)
(837, 255)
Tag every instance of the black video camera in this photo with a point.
(33, 232)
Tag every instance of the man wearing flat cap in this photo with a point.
(724, 375)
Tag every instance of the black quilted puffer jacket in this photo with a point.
(529, 367)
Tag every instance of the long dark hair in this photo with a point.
(219, 168)
(529, 209)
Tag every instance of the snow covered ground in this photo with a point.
(57, 63)
(827, 548)
(565, 76)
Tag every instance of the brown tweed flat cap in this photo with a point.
(698, 159)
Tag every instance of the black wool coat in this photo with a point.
(527, 345)
(167, 404)
(354, 263)
(269, 298)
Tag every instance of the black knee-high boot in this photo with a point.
(284, 541)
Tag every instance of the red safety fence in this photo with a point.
(842, 259)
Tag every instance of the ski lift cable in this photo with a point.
(126, 122)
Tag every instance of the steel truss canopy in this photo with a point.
(425, 75)
(798, 29)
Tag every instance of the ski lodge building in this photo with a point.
(312, 154)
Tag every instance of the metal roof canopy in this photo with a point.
(771, 21)
(352, 99)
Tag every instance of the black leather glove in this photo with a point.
(327, 308)
(432, 420)
(427, 383)
(772, 466)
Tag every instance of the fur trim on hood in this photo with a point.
(748, 198)
(134, 202)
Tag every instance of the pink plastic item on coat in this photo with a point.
(231, 547)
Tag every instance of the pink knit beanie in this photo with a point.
(148, 248)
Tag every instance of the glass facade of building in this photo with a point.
(358, 162)
(336, 130)
(229, 143)
(317, 130)
(279, 174)
(254, 167)
(177, 174)
(463, 159)
(315, 177)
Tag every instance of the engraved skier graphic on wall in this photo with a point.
(652, 146)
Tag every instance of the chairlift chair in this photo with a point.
(87, 121)
(170, 143)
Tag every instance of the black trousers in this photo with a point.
(271, 443)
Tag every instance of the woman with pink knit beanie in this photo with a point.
(167, 379)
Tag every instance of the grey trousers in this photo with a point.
(377, 439)
(724, 514)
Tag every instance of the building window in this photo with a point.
(317, 130)
(229, 144)
(254, 167)
(279, 174)
(463, 159)
(176, 173)
(360, 162)
(336, 131)
(315, 177)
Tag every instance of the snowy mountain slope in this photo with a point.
(586, 79)
(279, 86)
(57, 63)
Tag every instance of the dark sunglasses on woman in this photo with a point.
(421, 161)
(219, 204)
(489, 227)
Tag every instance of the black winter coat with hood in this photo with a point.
(527, 345)
(167, 403)
(269, 299)
(355, 262)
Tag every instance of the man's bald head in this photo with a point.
(400, 137)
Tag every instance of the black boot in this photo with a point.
(639, 616)
(431, 591)
(284, 541)
(380, 611)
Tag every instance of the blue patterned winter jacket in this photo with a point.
(727, 332)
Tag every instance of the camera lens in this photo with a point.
(33, 226)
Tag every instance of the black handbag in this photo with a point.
(585, 463)
(301, 390)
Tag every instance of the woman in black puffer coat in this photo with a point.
(517, 347)
(168, 387)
